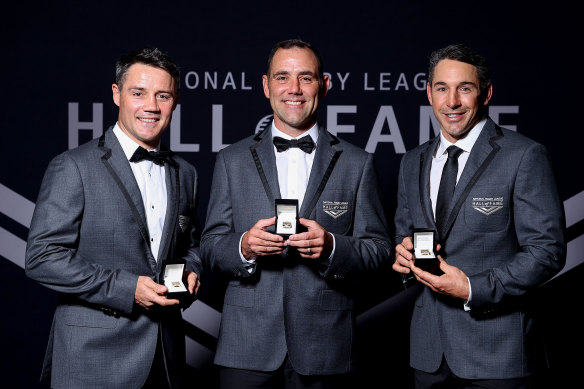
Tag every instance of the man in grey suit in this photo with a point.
(500, 231)
(288, 313)
(110, 217)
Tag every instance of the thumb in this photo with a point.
(157, 288)
(442, 264)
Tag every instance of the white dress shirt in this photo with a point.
(294, 167)
(438, 162)
(151, 179)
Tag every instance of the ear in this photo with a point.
(488, 94)
(429, 92)
(265, 85)
(116, 94)
(176, 100)
(326, 85)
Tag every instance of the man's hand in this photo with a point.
(404, 259)
(149, 293)
(452, 283)
(315, 243)
(192, 282)
(257, 241)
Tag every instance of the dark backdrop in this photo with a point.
(58, 67)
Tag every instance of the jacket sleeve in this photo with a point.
(369, 246)
(51, 254)
(539, 229)
(220, 241)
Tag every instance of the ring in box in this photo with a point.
(286, 217)
(173, 280)
(424, 243)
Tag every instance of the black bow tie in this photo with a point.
(305, 144)
(158, 157)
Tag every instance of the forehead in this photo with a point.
(145, 75)
(298, 58)
(451, 71)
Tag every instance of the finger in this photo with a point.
(264, 237)
(304, 243)
(407, 243)
(400, 268)
(402, 251)
(192, 281)
(263, 223)
(310, 224)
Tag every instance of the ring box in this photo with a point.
(424, 244)
(173, 280)
(286, 217)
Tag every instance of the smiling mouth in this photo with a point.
(288, 102)
(148, 120)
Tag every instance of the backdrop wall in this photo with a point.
(58, 69)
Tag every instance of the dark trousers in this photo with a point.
(283, 378)
(444, 378)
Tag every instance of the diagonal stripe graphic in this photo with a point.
(16, 206)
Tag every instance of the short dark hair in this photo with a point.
(462, 53)
(299, 43)
(150, 56)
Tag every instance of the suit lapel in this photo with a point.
(481, 155)
(265, 161)
(426, 157)
(172, 204)
(327, 153)
(118, 166)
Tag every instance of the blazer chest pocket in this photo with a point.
(334, 211)
(487, 208)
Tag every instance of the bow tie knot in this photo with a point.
(305, 144)
(158, 157)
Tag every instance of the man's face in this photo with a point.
(455, 98)
(292, 86)
(146, 100)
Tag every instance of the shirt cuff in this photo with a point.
(467, 303)
(330, 258)
(249, 264)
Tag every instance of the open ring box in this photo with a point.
(286, 217)
(173, 280)
(424, 244)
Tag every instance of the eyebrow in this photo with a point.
(460, 83)
(143, 89)
(302, 73)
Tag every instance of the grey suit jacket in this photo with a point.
(89, 241)
(506, 232)
(290, 305)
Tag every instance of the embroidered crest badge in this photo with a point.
(183, 222)
(335, 208)
(487, 205)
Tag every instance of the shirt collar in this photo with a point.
(128, 144)
(313, 132)
(465, 143)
